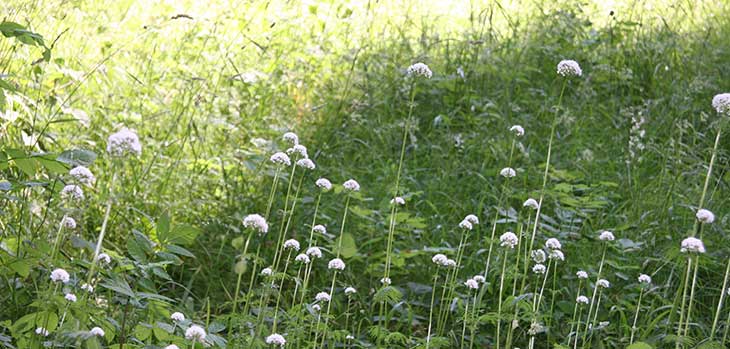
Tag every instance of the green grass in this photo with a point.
(182, 75)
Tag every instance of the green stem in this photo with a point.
(430, 309)
(636, 316)
(723, 290)
(499, 303)
(684, 296)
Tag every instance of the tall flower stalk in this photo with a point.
(605, 236)
(644, 281)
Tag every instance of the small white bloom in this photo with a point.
(322, 297)
(644, 279)
(531, 203)
(87, 288)
(298, 149)
(581, 274)
(302, 258)
(314, 252)
(291, 244)
(507, 172)
(450, 263)
(68, 222)
(336, 264)
(479, 278)
(539, 269)
(316, 307)
(351, 185)
(72, 192)
(349, 337)
(324, 184)
(606, 235)
(266, 271)
(508, 239)
(41, 332)
(517, 130)
(350, 290)
(538, 256)
(473, 219)
(97, 331)
(439, 259)
(553, 244)
(582, 300)
(276, 339)
(177, 316)
(306, 163)
(256, 222)
(385, 281)
(556, 255)
(603, 283)
(124, 142)
(705, 216)
(721, 103)
(60, 275)
(195, 333)
(291, 137)
(319, 229)
(419, 69)
(692, 245)
(280, 158)
(535, 328)
(104, 258)
(466, 225)
(172, 346)
(398, 201)
(70, 297)
(83, 175)
(569, 68)
(472, 284)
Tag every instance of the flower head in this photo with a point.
(538, 256)
(291, 138)
(603, 283)
(124, 142)
(319, 229)
(276, 339)
(41, 331)
(88, 288)
(705, 216)
(322, 297)
(531, 203)
(172, 346)
(316, 307)
(291, 244)
(692, 245)
(350, 290)
(351, 185)
(517, 130)
(539, 268)
(298, 149)
(419, 69)
(314, 252)
(306, 163)
(556, 255)
(177, 316)
(68, 222)
(72, 192)
(96, 331)
(606, 235)
(385, 281)
(644, 279)
(553, 244)
(83, 175)
(266, 271)
(473, 219)
(466, 225)
(439, 259)
(256, 222)
(280, 158)
(479, 278)
(302, 258)
(581, 274)
(508, 239)
(336, 264)
(721, 103)
(60, 275)
(569, 68)
(472, 284)
(70, 297)
(195, 333)
(450, 263)
(104, 258)
(507, 172)
(398, 201)
(324, 184)
(582, 300)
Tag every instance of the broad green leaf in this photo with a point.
(640, 345)
(181, 234)
(349, 248)
(77, 157)
(21, 267)
(119, 286)
(163, 225)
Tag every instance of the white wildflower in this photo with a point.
(439, 259)
(557, 255)
(473, 219)
(450, 263)
(351, 185)
(692, 245)
(68, 222)
(538, 256)
(539, 269)
(507, 172)
(581, 274)
(705, 216)
(472, 284)
(535, 328)
(553, 244)
(350, 290)
(582, 300)
(97, 331)
(306, 163)
(385, 281)
(466, 225)
(172, 346)
(603, 283)
(508, 239)
(195, 333)
(569, 68)
(291, 138)
(60, 275)
(606, 235)
(324, 184)
(479, 278)
(398, 201)
(72, 192)
(302, 258)
(319, 229)
(177, 316)
(291, 244)
(124, 142)
(83, 175)
(87, 288)
(298, 149)
(517, 130)
(267, 271)
(104, 258)
(644, 279)
(280, 158)
(322, 297)
(316, 307)
(336, 264)
(314, 252)
(531, 203)
(70, 297)
(41, 331)
(256, 222)
(276, 339)
(419, 69)
(721, 103)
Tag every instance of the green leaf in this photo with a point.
(711, 345)
(119, 286)
(181, 234)
(163, 224)
(349, 248)
(77, 157)
(52, 165)
(21, 267)
(640, 345)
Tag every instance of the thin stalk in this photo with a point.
(463, 330)
(499, 303)
(723, 290)
(314, 220)
(284, 217)
(575, 309)
(282, 237)
(727, 327)
(577, 329)
(430, 309)
(684, 296)
(595, 289)
(329, 307)
(59, 232)
(691, 296)
(281, 288)
(636, 316)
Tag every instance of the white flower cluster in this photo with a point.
(450, 263)
(581, 274)
(644, 279)
(291, 244)
(104, 258)
(472, 284)
(324, 184)
(83, 175)
(350, 291)
(72, 192)
(386, 281)
(508, 239)
(517, 130)
(314, 252)
(322, 297)
(569, 68)
(319, 229)
(553, 244)
(336, 264)
(280, 158)
(124, 142)
(41, 331)
(302, 258)
(60, 275)
(603, 283)
(479, 278)
(419, 69)
(705, 216)
(276, 339)
(556, 255)
(266, 271)
(70, 297)
(306, 163)
(473, 219)
(692, 245)
(68, 222)
(468, 222)
(177, 316)
(195, 333)
(96, 331)
(439, 259)
(721, 103)
(507, 172)
(531, 203)
(300, 150)
(538, 256)
(256, 222)
(291, 137)
(539, 268)
(636, 136)
(606, 235)
(351, 185)
(582, 300)
(398, 201)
